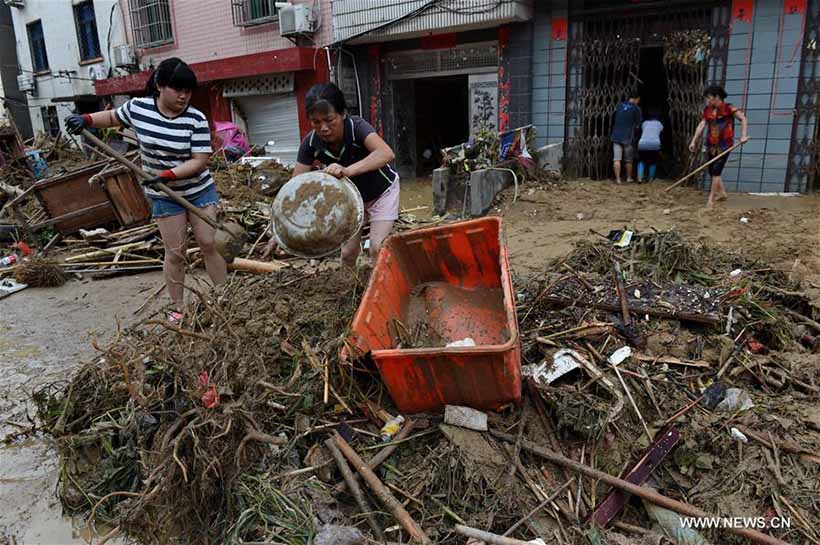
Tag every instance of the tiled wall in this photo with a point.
(761, 78)
(549, 65)
(204, 31)
(519, 53)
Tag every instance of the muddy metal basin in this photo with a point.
(314, 214)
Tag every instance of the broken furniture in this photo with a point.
(74, 201)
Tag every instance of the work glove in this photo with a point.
(76, 123)
(164, 177)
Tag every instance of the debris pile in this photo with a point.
(242, 424)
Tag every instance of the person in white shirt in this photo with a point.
(649, 146)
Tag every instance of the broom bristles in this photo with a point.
(39, 272)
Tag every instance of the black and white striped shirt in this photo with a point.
(167, 142)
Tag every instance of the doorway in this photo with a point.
(654, 89)
(442, 119)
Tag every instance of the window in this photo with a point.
(51, 123)
(253, 12)
(151, 22)
(39, 59)
(87, 30)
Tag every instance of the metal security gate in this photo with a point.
(804, 153)
(276, 118)
(604, 56)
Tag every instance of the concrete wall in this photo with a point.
(63, 51)
(204, 31)
(549, 73)
(761, 78)
(18, 109)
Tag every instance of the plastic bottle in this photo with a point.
(8, 260)
(391, 428)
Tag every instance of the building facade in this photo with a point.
(428, 75)
(13, 103)
(62, 49)
(587, 54)
(249, 73)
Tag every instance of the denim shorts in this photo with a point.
(162, 208)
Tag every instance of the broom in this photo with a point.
(39, 272)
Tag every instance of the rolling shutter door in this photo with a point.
(273, 117)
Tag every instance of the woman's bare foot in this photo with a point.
(722, 196)
(710, 202)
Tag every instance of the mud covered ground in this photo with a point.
(45, 333)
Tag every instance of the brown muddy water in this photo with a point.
(44, 334)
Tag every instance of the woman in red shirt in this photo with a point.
(719, 117)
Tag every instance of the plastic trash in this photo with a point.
(735, 273)
(467, 341)
(637, 294)
(739, 435)
(331, 534)
(465, 417)
(563, 361)
(391, 428)
(8, 261)
(735, 400)
(671, 525)
(744, 220)
(713, 395)
(624, 240)
(617, 357)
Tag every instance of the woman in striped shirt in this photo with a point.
(175, 144)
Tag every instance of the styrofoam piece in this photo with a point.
(465, 417)
(617, 357)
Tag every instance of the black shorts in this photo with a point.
(716, 168)
(649, 156)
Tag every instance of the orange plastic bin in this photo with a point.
(454, 282)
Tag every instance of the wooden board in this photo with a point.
(127, 198)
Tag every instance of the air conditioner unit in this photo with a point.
(26, 83)
(124, 55)
(295, 19)
(15, 3)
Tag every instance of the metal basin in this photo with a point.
(314, 214)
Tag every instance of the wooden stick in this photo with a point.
(150, 298)
(385, 453)
(487, 537)
(540, 506)
(256, 267)
(640, 491)
(711, 320)
(381, 491)
(632, 401)
(702, 167)
(619, 286)
(353, 486)
(108, 251)
(805, 319)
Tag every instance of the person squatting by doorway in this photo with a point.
(719, 120)
(649, 146)
(625, 124)
(175, 145)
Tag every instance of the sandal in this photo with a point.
(174, 317)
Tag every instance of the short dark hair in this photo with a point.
(633, 94)
(173, 73)
(715, 91)
(323, 96)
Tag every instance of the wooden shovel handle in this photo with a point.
(704, 165)
(144, 175)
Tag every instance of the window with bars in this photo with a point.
(253, 12)
(151, 22)
(39, 58)
(51, 122)
(87, 35)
